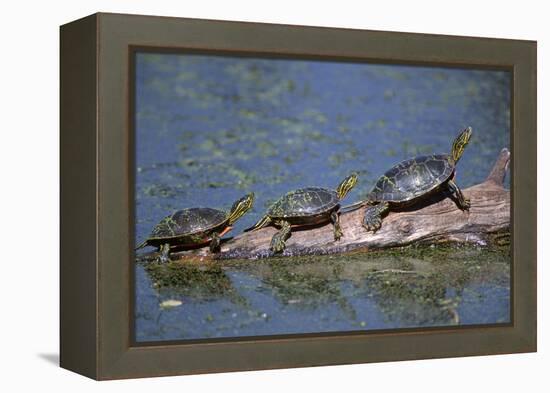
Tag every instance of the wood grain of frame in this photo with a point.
(97, 200)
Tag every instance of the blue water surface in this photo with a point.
(210, 129)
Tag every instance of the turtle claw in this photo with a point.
(164, 259)
(277, 244)
(461, 201)
(215, 243)
(373, 217)
(164, 256)
(214, 248)
(277, 247)
(373, 225)
(278, 240)
(335, 218)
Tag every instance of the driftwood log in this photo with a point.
(434, 220)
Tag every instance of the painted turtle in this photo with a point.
(305, 206)
(195, 226)
(414, 179)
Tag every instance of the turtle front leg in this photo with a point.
(462, 202)
(373, 216)
(164, 253)
(335, 218)
(215, 243)
(278, 240)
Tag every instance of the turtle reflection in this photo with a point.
(413, 287)
(406, 291)
(305, 285)
(201, 282)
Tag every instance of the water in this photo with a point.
(210, 129)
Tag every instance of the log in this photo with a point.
(434, 220)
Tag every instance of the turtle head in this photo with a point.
(240, 207)
(460, 144)
(347, 184)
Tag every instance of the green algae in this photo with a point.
(197, 281)
(412, 285)
(209, 128)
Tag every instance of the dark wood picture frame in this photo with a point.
(97, 196)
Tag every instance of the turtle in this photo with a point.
(413, 180)
(303, 207)
(195, 226)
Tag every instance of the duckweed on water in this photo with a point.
(414, 286)
(209, 128)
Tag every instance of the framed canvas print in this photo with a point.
(241, 196)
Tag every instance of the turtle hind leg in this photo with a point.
(462, 202)
(373, 216)
(278, 240)
(335, 218)
(164, 253)
(215, 243)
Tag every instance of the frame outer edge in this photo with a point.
(78, 197)
(116, 355)
(525, 190)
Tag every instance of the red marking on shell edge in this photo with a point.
(227, 229)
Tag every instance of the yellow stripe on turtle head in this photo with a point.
(460, 144)
(240, 207)
(347, 184)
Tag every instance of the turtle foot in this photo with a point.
(215, 243)
(277, 246)
(373, 225)
(163, 259)
(214, 249)
(372, 221)
(164, 256)
(335, 218)
(338, 234)
(278, 240)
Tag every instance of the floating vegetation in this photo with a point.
(412, 286)
(159, 190)
(211, 127)
(200, 281)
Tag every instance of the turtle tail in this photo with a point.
(264, 221)
(144, 244)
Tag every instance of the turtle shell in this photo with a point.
(189, 222)
(413, 178)
(304, 202)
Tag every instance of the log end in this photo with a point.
(500, 168)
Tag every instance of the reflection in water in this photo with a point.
(403, 288)
(209, 129)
